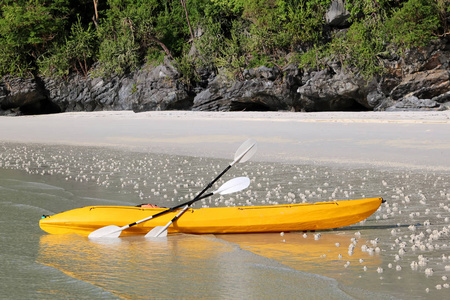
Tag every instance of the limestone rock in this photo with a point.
(327, 90)
(337, 15)
(160, 89)
(425, 84)
(264, 89)
(417, 80)
(413, 103)
(151, 88)
(24, 96)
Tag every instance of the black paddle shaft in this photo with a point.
(198, 197)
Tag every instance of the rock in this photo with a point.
(418, 80)
(72, 94)
(425, 84)
(151, 88)
(267, 73)
(160, 89)
(24, 96)
(413, 103)
(375, 98)
(388, 82)
(385, 104)
(327, 90)
(443, 98)
(421, 72)
(337, 15)
(264, 89)
(435, 56)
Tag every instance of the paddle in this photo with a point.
(231, 186)
(243, 153)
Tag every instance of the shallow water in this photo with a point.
(401, 251)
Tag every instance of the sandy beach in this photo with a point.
(54, 163)
(387, 139)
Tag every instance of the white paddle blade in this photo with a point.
(156, 232)
(234, 185)
(245, 151)
(111, 231)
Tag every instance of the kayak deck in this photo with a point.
(241, 219)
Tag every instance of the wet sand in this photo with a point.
(419, 140)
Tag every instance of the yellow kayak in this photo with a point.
(244, 219)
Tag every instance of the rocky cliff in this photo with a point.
(419, 80)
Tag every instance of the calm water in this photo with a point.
(402, 251)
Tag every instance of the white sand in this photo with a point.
(387, 139)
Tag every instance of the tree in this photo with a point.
(27, 27)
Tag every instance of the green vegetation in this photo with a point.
(380, 27)
(57, 37)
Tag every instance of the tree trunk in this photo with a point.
(95, 16)
(151, 37)
(183, 3)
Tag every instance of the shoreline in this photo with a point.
(418, 140)
(438, 117)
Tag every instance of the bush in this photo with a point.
(26, 29)
(359, 48)
(77, 53)
(414, 24)
(47, 35)
(375, 26)
(118, 54)
(13, 62)
(285, 24)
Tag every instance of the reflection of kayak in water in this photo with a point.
(182, 266)
(318, 253)
(244, 219)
